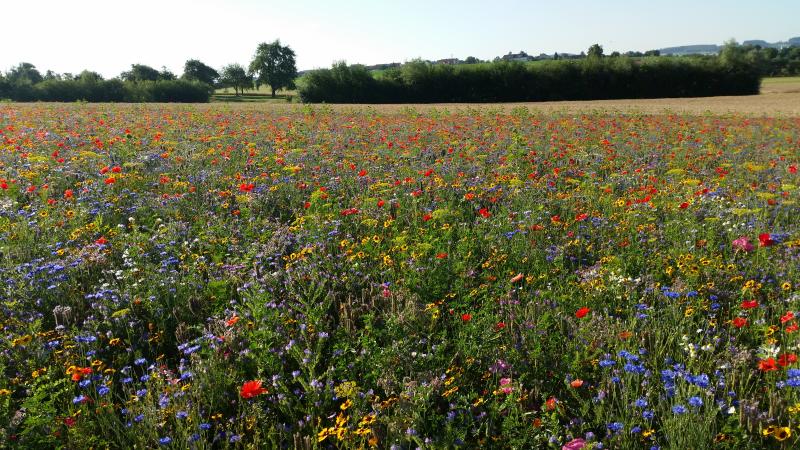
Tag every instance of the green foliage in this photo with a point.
(234, 75)
(274, 64)
(586, 79)
(195, 70)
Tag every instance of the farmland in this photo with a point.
(610, 274)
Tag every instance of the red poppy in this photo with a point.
(116, 169)
(580, 217)
(517, 277)
(381, 203)
(252, 388)
(466, 317)
(551, 403)
(247, 187)
(500, 326)
(104, 170)
(792, 328)
(787, 317)
(232, 321)
(68, 194)
(69, 421)
(581, 313)
(3, 185)
(441, 255)
(575, 384)
(426, 217)
(739, 322)
(683, 205)
(792, 169)
(110, 180)
(765, 240)
(749, 304)
(786, 359)
(101, 241)
(767, 365)
(362, 173)
(485, 213)
(307, 205)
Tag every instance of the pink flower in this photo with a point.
(505, 385)
(575, 444)
(743, 244)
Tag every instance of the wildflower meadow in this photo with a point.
(317, 278)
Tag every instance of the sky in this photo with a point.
(108, 36)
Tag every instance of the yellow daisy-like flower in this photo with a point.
(786, 286)
(782, 433)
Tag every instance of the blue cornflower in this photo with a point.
(648, 415)
(103, 390)
(615, 427)
(679, 409)
(165, 440)
(607, 362)
(640, 403)
(181, 415)
(696, 401)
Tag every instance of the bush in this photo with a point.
(587, 79)
(114, 90)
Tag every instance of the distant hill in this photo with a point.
(708, 49)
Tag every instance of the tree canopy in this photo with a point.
(234, 75)
(274, 65)
(195, 70)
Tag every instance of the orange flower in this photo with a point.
(251, 389)
(232, 321)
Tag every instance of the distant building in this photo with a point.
(449, 61)
(521, 56)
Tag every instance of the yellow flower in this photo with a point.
(782, 433)
(5, 392)
(786, 286)
(347, 403)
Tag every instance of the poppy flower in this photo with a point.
(484, 213)
(101, 241)
(246, 187)
(517, 277)
(3, 185)
(581, 217)
(581, 313)
(68, 194)
(232, 321)
(683, 205)
(381, 203)
(104, 170)
(110, 180)
(792, 328)
(787, 317)
(426, 217)
(786, 359)
(576, 383)
(116, 169)
(767, 365)
(749, 304)
(739, 322)
(765, 240)
(251, 389)
(466, 317)
(441, 255)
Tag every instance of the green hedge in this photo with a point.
(587, 79)
(113, 90)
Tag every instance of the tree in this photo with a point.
(274, 64)
(595, 51)
(88, 76)
(472, 60)
(195, 70)
(234, 75)
(24, 73)
(165, 74)
(140, 72)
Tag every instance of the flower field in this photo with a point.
(212, 277)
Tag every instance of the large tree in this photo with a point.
(274, 64)
(24, 73)
(140, 72)
(195, 70)
(234, 75)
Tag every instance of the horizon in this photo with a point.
(90, 35)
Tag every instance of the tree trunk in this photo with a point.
(273, 91)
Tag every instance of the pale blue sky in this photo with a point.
(109, 35)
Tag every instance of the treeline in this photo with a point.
(772, 62)
(592, 78)
(141, 84)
